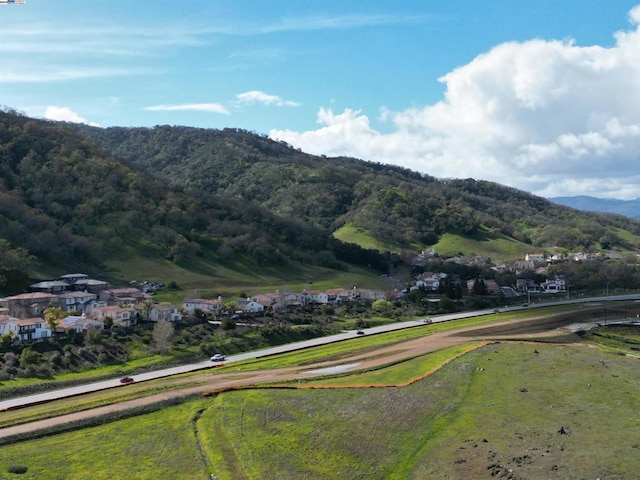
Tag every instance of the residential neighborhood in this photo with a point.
(92, 303)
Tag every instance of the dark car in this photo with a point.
(126, 380)
(359, 332)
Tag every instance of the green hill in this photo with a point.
(65, 204)
(374, 205)
(188, 204)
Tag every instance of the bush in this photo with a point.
(17, 469)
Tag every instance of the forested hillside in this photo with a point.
(64, 200)
(393, 206)
(76, 196)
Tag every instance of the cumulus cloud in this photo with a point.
(201, 107)
(546, 116)
(256, 96)
(65, 114)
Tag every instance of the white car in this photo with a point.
(218, 357)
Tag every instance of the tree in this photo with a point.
(108, 322)
(93, 336)
(146, 309)
(28, 357)
(53, 315)
(479, 287)
(161, 336)
(7, 339)
(228, 323)
(381, 305)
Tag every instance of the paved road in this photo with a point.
(114, 383)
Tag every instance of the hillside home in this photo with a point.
(336, 296)
(272, 301)
(24, 329)
(520, 266)
(367, 295)
(29, 304)
(76, 301)
(429, 281)
(527, 285)
(73, 282)
(121, 316)
(51, 286)
(79, 324)
(492, 287)
(207, 306)
(164, 311)
(90, 285)
(537, 259)
(554, 285)
(316, 297)
(249, 306)
(123, 296)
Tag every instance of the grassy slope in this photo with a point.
(349, 233)
(484, 244)
(434, 428)
(437, 427)
(235, 279)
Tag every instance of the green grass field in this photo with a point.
(484, 243)
(493, 410)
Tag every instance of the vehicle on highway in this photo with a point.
(218, 357)
(126, 380)
(427, 320)
(359, 332)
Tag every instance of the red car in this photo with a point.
(126, 380)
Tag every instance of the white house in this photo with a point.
(121, 316)
(554, 285)
(79, 324)
(212, 306)
(24, 329)
(164, 311)
(314, 296)
(249, 306)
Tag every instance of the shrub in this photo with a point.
(17, 469)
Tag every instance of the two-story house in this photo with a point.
(316, 297)
(164, 311)
(29, 304)
(24, 329)
(207, 306)
(76, 301)
(121, 316)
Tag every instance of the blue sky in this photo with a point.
(537, 94)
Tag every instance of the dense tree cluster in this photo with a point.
(392, 204)
(64, 199)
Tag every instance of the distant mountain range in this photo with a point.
(629, 208)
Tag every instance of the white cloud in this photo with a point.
(531, 115)
(65, 114)
(256, 96)
(201, 107)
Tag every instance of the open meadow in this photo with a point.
(509, 410)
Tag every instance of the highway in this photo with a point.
(115, 383)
